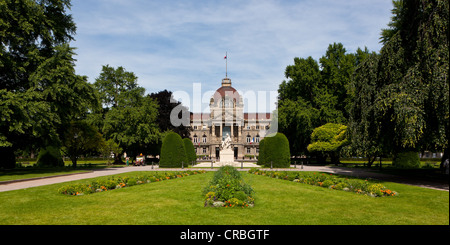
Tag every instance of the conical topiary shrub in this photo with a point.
(276, 151)
(50, 156)
(173, 152)
(190, 150)
(261, 153)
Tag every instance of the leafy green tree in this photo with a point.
(316, 94)
(81, 138)
(304, 78)
(118, 87)
(133, 128)
(40, 92)
(364, 128)
(164, 110)
(329, 139)
(409, 82)
(128, 116)
(29, 31)
(296, 119)
(109, 147)
(396, 22)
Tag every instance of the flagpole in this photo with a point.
(226, 65)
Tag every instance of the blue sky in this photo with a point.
(172, 44)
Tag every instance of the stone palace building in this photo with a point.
(227, 117)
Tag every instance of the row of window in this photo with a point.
(249, 139)
(248, 149)
(196, 139)
(247, 127)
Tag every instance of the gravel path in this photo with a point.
(23, 184)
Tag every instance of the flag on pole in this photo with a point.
(225, 57)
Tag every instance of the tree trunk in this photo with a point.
(321, 159)
(8, 159)
(334, 156)
(371, 160)
(117, 159)
(444, 157)
(74, 161)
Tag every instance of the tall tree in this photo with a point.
(129, 118)
(81, 138)
(296, 119)
(165, 108)
(315, 95)
(118, 87)
(40, 92)
(411, 80)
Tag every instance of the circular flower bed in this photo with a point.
(228, 189)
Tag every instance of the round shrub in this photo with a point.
(173, 152)
(276, 151)
(190, 150)
(409, 159)
(50, 157)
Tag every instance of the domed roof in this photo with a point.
(227, 91)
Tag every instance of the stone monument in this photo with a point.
(226, 152)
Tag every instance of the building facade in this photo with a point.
(227, 117)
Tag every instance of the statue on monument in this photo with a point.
(226, 144)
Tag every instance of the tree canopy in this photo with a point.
(329, 139)
(401, 95)
(40, 94)
(129, 117)
(316, 93)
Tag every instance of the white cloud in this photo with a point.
(172, 44)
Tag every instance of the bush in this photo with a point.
(172, 151)
(50, 157)
(276, 151)
(190, 150)
(329, 139)
(229, 189)
(409, 159)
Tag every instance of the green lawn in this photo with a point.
(180, 202)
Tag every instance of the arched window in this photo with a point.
(257, 138)
(249, 138)
(195, 139)
(204, 138)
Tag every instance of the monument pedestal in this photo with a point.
(227, 156)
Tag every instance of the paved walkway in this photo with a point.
(361, 173)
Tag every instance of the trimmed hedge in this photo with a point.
(261, 152)
(190, 150)
(173, 151)
(409, 159)
(275, 150)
